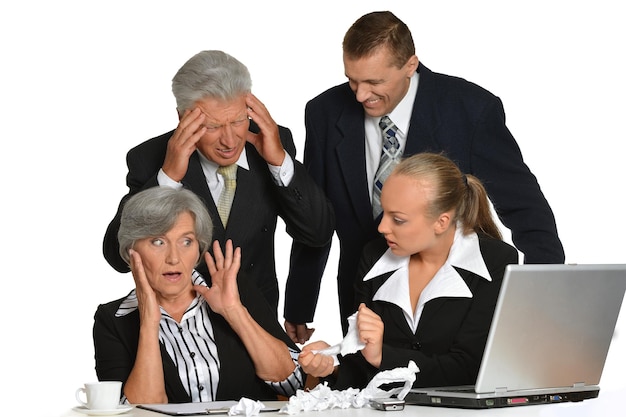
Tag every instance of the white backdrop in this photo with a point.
(84, 81)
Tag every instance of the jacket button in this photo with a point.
(416, 346)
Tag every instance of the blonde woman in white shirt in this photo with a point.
(426, 290)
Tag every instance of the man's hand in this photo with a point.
(267, 141)
(182, 144)
(299, 333)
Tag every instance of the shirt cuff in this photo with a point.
(294, 382)
(283, 174)
(166, 181)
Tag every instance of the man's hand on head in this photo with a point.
(182, 144)
(267, 141)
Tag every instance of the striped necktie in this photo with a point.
(389, 157)
(229, 173)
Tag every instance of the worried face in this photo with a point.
(227, 124)
(168, 260)
(406, 223)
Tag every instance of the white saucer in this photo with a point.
(119, 410)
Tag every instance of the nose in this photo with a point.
(383, 225)
(172, 257)
(228, 138)
(362, 92)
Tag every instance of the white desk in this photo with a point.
(608, 403)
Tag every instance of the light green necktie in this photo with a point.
(229, 173)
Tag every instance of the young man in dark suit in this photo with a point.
(223, 124)
(431, 112)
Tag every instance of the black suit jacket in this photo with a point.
(450, 115)
(116, 340)
(258, 202)
(452, 331)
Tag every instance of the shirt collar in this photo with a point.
(210, 167)
(401, 114)
(130, 304)
(464, 254)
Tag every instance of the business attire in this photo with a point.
(446, 334)
(257, 204)
(449, 115)
(203, 358)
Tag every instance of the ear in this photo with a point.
(411, 66)
(442, 224)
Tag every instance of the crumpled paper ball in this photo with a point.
(406, 375)
(246, 407)
(323, 398)
(350, 343)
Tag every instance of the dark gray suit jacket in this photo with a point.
(450, 115)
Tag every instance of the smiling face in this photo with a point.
(378, 85)
(227, 126)
(169, 260)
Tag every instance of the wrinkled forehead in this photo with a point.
(221, 111)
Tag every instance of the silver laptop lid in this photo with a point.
(552, 326)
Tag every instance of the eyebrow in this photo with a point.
(369, 80)
(241, 117)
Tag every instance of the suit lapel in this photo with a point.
(399, 321)
(351, 158)
(423, 124)
(196, 181)
(242, 207)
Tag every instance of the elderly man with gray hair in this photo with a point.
(229, 151)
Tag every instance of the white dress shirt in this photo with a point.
(401, 117)
(282, 174)
(464, 253)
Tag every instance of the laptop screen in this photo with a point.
(552, 326)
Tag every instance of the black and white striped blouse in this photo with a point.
(192, 347)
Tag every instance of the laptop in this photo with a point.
(548, 340)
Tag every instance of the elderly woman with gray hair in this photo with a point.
(181, 337)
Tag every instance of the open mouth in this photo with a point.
(227, 152)
(172, 276)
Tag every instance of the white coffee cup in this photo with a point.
(104, 395)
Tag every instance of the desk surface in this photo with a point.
(606, 403)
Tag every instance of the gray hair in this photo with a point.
(210, 74)
(153, 212)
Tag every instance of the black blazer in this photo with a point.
(116, 340)
(451, 335)
(258, 202)
(450, 115)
